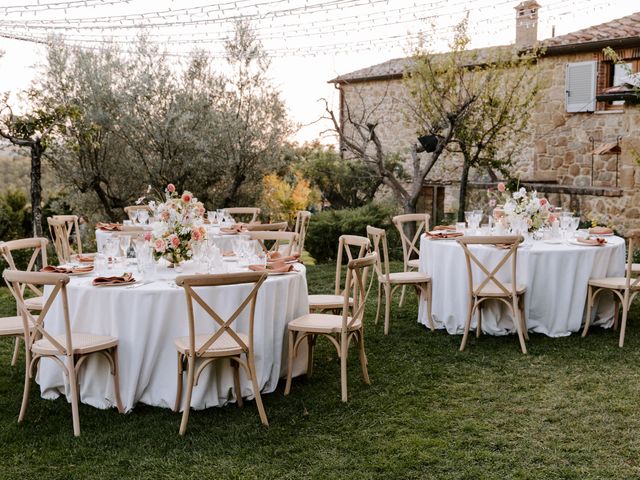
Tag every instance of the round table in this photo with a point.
(556, 277)
(147, 319)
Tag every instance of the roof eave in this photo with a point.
(369, 78)
(590, 46)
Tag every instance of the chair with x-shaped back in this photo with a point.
(407, 223)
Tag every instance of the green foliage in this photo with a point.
(15, 222)
(326, 227)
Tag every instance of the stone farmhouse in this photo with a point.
(584, 145)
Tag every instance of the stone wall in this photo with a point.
(557, 153)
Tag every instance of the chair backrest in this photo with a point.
(630, 280)
(34, 326)
(190, 283)
(350, 246)
(236, 212)
(63, 230)
(509, 245)
(303, 218)
(356, 289)
(39, 247)
(267, 227)
(379, 241)
(271, 241)
(131, 210)
(410, 241)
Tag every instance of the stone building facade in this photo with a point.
(583, 148)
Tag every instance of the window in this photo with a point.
(621, 72)
(581, 86)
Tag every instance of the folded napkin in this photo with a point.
(445, 227)
(600, 231)
(228, 254)
(109, 227)
(237, 228)
(503, 246)
(126, 277)
(85, 258)
(276, 267)
(443, 234)
(279, 257)
(592, 241)
(67, 270)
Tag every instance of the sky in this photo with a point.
(309, 41)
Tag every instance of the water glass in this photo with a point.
(143, 216)
(100, 264)
(125, 244)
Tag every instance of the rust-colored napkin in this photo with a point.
(276, 267)
(600, 231)
(228, 254)
(109, 227)
(237, 228)
(592, 241)
(67, 270)
(443, 234)
(277, 257)
(85, 258)
(445, 227)
(126, 277)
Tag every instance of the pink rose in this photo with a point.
(552, 218)
(171, 188)
(159, 245)
(543, 201)
(174, 240)
(186, 197)
(196, 235)
(201, 210)
(501, 187)
(147, 236)
(165, 216)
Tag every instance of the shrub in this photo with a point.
(326, 227)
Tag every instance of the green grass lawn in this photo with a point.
(569, 409)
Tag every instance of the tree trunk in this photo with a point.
(231, 199)
(106, 204)
(36, 188)
(462, 199)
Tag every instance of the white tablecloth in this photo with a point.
(556, 277)
(147, 319)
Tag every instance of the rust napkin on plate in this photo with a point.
(109, 227)
(443, 234)
(67, 270)
(237, 228)
(276, 267)
(445, 227)
(277, 257)
(592, 241)
(125, 278)
(85, 258)
(600, 231)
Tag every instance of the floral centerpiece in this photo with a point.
(179, 221)
(523, 205)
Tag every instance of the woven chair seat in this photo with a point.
(83, 343)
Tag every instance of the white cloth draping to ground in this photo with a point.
(556, 277)
(147, 319)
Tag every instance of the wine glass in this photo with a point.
(467, 218)
(111, 247)
(143, 216)
(125, 244)
(574, 225)
(565, 223)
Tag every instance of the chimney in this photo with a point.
(527, 23)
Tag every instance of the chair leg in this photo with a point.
(116, 380)
(27, 386)
(587, 320)
(236, 382)
(16, 352)
(363, 358)
(191, 370)
(176, 405)
(73, 385)
(378, 307)
(292, 340)
(518, 322)
(387, 307)
(467, 325)
(625, 312)
(616, 311)
(256, 392)
(401, 303)
(311, 341)
(479, 324)
(344, 352)
(429, 289)
(523, 318)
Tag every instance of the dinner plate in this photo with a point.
(553, 241)
(602, 234)
(121, 284)
(575, 242)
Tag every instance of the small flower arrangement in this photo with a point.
(179, 221)
(537, 211)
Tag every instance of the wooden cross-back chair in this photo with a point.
(411, 246)
(224, 342)
(72, 347)
(391, 281)
(349, 246)
(624, 290)
(132, 210)
(65, 231)
(39, 247)
(341, 329)
(238, 213)
(303, 218)
(282, 242)
(267, 227)
(490, 287)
